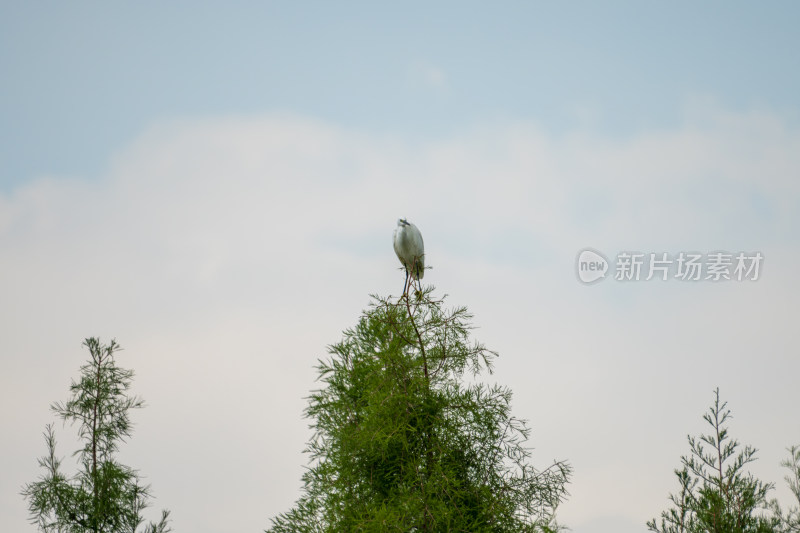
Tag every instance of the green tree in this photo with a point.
(790, 522)
(402, 443)
(716, 493)
(104, 496)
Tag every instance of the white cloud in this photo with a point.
(225, 254)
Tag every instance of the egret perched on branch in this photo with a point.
(410, 250)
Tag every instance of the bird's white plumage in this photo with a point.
(409, 248)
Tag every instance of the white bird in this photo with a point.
(410, 250)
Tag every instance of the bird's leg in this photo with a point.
(416, 270)
(405, 283)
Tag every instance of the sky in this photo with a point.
(216, 186)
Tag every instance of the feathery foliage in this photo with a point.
(104, 496)
(790, 522)
(402, 443)
(717, 494)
